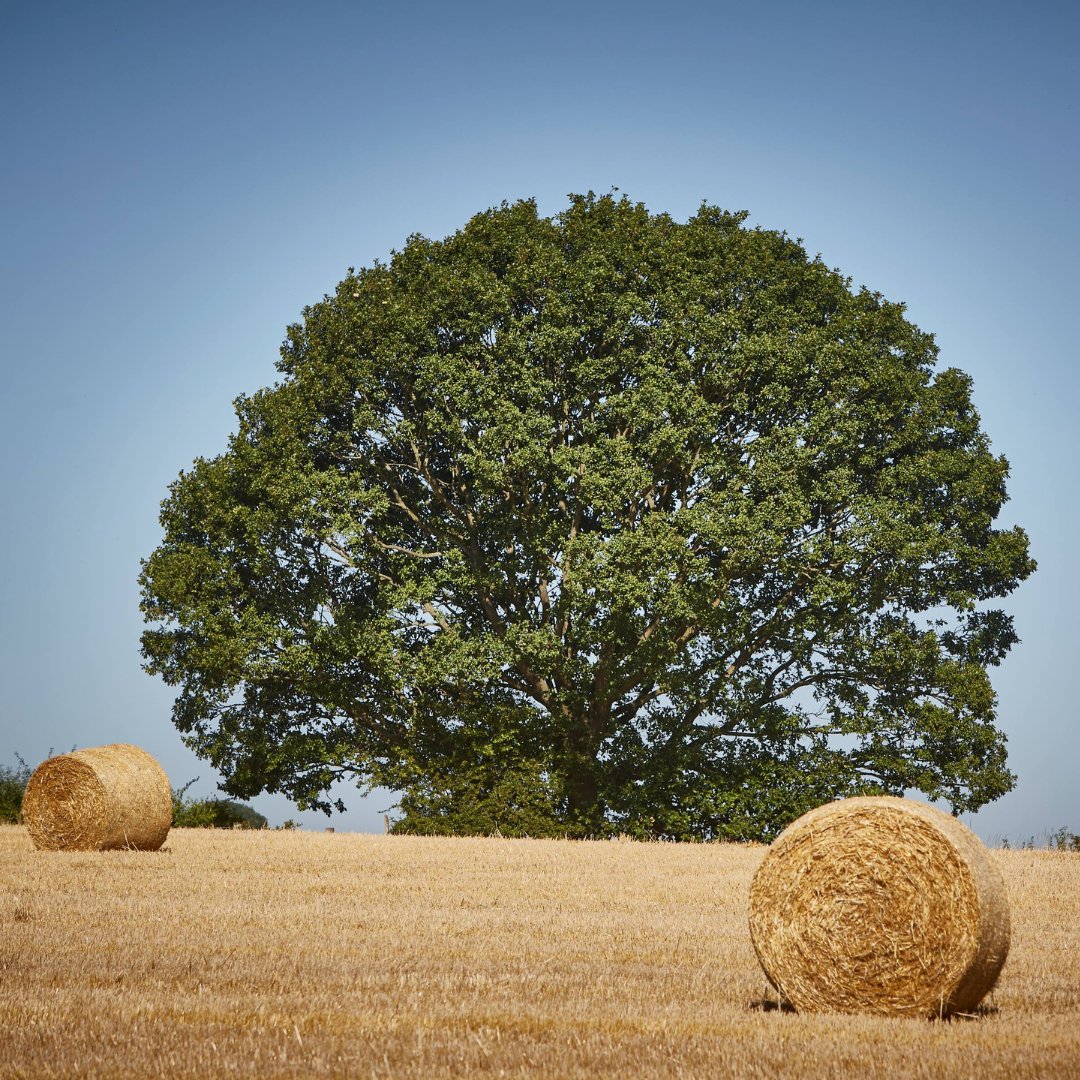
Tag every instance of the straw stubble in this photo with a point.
(268, 955)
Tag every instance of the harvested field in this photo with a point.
(297, 954)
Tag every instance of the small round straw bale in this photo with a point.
(879, 905)
(103, 797)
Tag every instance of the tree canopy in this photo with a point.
(597, 522)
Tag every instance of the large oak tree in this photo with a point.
(595, 522)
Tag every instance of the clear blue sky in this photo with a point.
(178, 181)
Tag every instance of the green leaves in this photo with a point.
(665, 517)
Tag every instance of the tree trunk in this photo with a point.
(585, 814)
(583, 810)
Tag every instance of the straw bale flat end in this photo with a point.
(880, 905)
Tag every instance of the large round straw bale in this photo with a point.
(879, 905)
(103, 797)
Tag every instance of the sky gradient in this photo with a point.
(177, 182)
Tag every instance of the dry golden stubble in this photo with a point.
(271, 955)
(879, 905)
(97, 799)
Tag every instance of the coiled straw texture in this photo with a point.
(880, 905)
(104, 797)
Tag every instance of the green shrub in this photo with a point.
(1064, 840)
(489, 797)
(12, 786)
(214, 813)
